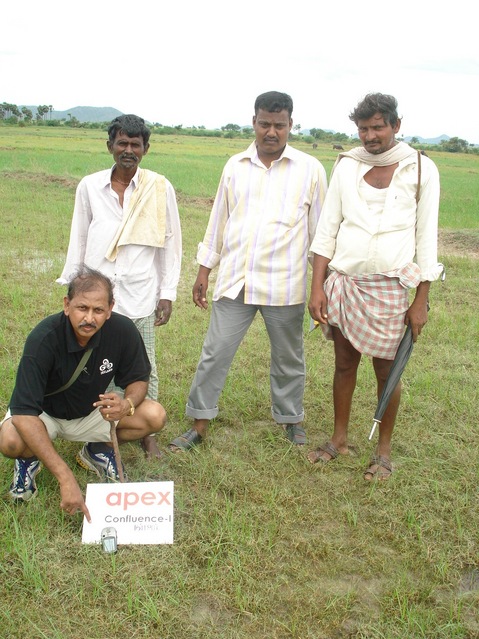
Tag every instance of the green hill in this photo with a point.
(82, 114)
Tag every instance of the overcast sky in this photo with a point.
(203, 62)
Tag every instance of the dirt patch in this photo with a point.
(459, 243)
(469, 582)
(40, 178)
(199, 202)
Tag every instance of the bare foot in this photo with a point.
(150, 448)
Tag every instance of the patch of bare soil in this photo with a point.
(459, 243)
(469, 582)
(200, 202)
(40, 178)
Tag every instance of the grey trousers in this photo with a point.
(230, 320)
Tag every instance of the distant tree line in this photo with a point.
(12, 114)
(23, 116)
(15, 114)
(328, 136)
(453, 145)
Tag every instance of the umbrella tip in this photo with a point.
(373, 429)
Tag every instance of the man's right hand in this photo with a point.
(72, 500)
(200, 287)
(31, 438)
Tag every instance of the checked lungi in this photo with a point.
(369, 310)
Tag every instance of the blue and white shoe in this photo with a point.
(103, 464)
(23, 485)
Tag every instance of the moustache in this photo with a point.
(128, 157)
(87, 325)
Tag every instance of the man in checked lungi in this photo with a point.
(376, 238)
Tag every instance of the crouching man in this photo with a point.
(68, 362)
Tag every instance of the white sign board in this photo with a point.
(141, 512)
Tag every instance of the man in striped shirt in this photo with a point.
(260, 229)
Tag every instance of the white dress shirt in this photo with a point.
(360, 239)
(142, 275)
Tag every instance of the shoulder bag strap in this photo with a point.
(78, 370)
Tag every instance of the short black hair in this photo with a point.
(131, 125)
(373, 103)
(87, 279)
(274, 102)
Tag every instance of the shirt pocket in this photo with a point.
(290, 208)
(401, 214)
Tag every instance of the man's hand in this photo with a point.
(34, 440)
(113, 407)
(163, 312)
(318, 307)
(200, 288)
(72, 500)
(416, 315)
(318, 303)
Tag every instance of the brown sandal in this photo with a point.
(376, 473)
(329, 448)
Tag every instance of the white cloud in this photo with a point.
(204, 63)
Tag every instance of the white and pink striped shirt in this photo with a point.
(261, 226)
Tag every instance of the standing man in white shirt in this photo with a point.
(377, 238)
(261, 226)
(126, 225)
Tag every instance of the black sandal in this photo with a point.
(296, 434)
(187, 441)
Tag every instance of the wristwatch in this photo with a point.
(132, 407)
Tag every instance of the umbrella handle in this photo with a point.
(116, 450)
(375, 423)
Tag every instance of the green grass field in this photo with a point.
(266, 545)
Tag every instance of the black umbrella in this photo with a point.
(400, 360)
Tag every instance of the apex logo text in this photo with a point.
(126, 499)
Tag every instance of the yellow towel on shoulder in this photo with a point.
(145, 220)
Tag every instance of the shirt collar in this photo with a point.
(134, 179)
(252, 153)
